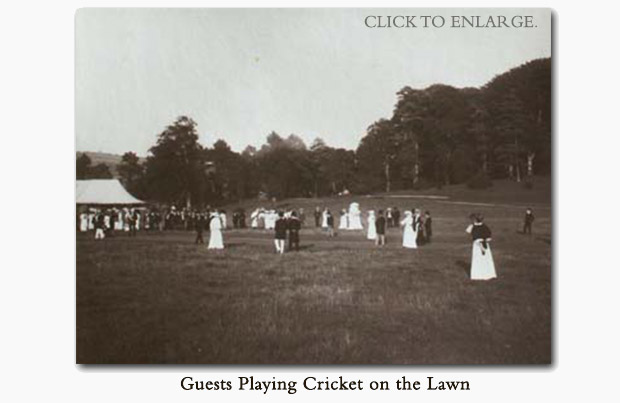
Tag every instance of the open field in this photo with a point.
(158, 298)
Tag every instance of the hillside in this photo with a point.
(111, 160)
(504, 193)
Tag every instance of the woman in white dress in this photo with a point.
(91, 220)
(270, 220)
(118, 225)
(254, 218)
(324, 224)
(372, 228)
(482, 266)
(409, 233)
(344, 221)
(83, 222)
(215, 226)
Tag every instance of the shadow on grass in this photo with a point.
(234, 245)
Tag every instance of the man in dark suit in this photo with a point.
(396, 217)
(280, 229)
(380, 224)
(200, 226)
(294, 226)
(317, 217)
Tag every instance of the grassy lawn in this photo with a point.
(158, 298)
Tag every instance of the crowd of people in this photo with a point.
(132, 219)
(417, 227)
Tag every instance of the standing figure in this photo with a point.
(294, 226)
(235, 219)
(200, 226)
(354, 217)
(254, 218)
(428, 226)
(372, 229)
(418, 226)
(270, 219)
(395, 217)
(106, 221)
(99, 226)
(120, 225)
(216, 241)
(241, 219)
(91, 220)
(280, 229)
(482, 266)
(324, 223)
(329, 218)
(317, 217)
(126, 220)
(409, 234)
(132, 222)
(83, 222)
(223, 218)
(113, 216)
(344, 220)
(388, 215)
(527, 221)
(380, 224)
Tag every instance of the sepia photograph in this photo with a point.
(313, 186)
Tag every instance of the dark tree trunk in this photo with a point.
(387, 176)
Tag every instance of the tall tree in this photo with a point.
(83, 166)
(131, 173)
(376, 154)
(175, 167)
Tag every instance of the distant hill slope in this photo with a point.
(503, 193)
(111, 160)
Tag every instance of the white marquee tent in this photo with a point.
(102, 191)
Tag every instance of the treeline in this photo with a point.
(436, 136)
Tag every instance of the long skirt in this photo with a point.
(355, 222)
(344, 224)
(215, 240)
(482, 266)
(372, 230)
(409, 237)
(84, 224)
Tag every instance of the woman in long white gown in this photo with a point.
(372, 228)
(324, 222)
(83, 222)
(119, 225)
(254, 218)
(223, 219)
(409, 232)
(354, 217)
(344, 220)
(482, 265)
(216, 240)
(270, 220)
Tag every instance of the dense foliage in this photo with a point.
(436, 136)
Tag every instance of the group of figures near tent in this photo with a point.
(106, 221)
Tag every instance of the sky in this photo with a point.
(243, 73)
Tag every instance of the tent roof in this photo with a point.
(102, 191)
